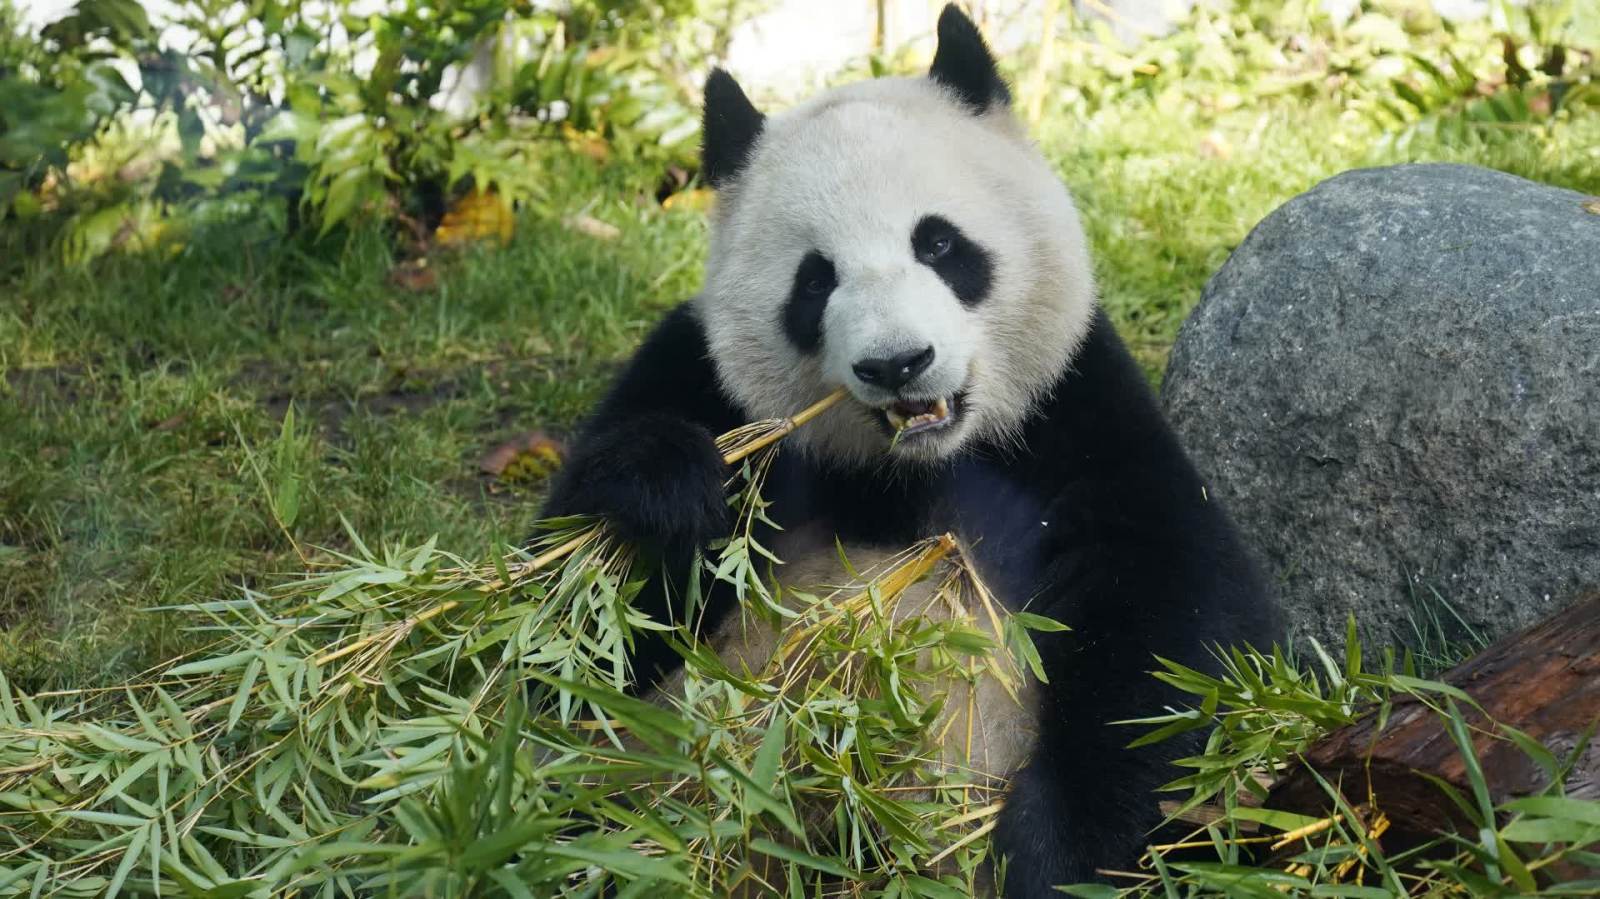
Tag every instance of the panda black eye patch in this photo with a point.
(814, 281)
(963, 265)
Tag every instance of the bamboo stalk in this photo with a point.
(401, 627)
(543, 560)
(974, 835)
(1379, 826)
(1311, 829)
(985, 811)
(784, 428)
(1201, 844)
(888, 586)
(537, 563)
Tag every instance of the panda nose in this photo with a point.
(894, 372)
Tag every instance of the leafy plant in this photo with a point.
(50, 104)
(307, 113)
(1545, 69)
(1394, 61)
(1263, 711)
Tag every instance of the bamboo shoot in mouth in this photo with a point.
(910, 417)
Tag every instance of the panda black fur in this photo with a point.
(852, 235)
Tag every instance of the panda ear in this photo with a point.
(732, 124)
(964, 65)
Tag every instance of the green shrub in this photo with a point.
(272, 117)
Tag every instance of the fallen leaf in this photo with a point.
(527, 458)
(477, 216)
(414, 275)
(587, 143)
(170, 423)
(699, 199)
(1592, 205)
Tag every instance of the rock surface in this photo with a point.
(1394, 384)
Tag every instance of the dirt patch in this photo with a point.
(332, 411)
(404, 391)
(48, 385)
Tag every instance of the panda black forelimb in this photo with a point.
(1137, 561)
(646, 462)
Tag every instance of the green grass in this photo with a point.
(133, 395)
(136, 393)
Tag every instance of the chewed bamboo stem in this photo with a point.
(780, 429)
(771, 432)
(537, 563)
(976, 834)
(1380, 825)
(543, 560)
(1300, 833)
(400, 627)
(888, 587)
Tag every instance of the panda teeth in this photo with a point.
(937, 413)
(941, 411)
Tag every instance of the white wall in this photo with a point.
(37, 13)
(794, 44)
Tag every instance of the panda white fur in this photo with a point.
(904, 239)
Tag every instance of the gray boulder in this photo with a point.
(1394, 384)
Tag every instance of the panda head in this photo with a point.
(901, 238)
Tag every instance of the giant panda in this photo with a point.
(904, 239)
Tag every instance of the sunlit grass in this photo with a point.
(132, 393)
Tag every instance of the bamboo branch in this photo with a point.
(781, 429)
(770, 432)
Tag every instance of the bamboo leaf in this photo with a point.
(130, 857)
(803, 859)
(765, 770)
(1586, 811)
(213, 665)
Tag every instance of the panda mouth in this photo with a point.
(909, 417)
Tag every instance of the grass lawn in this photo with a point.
(145, 458)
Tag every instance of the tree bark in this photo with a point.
(1544, 681)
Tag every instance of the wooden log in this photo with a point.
(1544, 681)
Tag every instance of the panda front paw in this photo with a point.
(658, 480)
(1049, 837)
